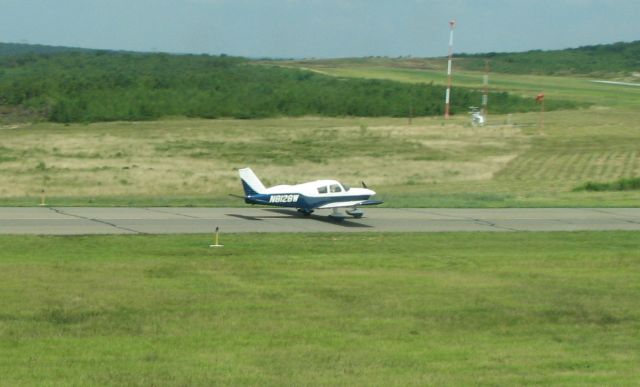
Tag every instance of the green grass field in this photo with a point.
(430, 163)
(330, 309)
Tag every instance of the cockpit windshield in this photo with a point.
(333, 188)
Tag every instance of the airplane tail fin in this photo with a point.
(250, 182)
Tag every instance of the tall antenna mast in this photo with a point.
(452, 26)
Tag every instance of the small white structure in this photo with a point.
(477, 119)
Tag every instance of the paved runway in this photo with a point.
(92, 220)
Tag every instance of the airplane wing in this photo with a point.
(355, 203)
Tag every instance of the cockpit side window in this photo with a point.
(322, 190)
(335, 188)
(346, 187)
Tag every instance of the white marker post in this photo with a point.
(215, 239)
(42, 198)
(452, 26)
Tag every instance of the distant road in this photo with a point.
(618, 83)
(92, 220)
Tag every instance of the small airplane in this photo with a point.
(308, 197)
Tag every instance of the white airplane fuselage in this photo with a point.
(307, 197)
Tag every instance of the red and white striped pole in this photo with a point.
(452, 26)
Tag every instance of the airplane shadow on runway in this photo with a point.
(295, 214)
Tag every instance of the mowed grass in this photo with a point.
(428, 163)
(330, 309)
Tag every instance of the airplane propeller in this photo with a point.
(364, 185)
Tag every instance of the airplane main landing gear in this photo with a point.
(337, 215)
(356, 213)
(305, 212)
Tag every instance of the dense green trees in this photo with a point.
(87, 86)
(600, 60)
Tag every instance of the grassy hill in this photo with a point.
(619, 61)
(63, 84)
(91, 86)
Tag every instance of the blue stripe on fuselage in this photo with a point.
(294, 200)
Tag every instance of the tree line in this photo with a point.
(90, 86)
(597, 60)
